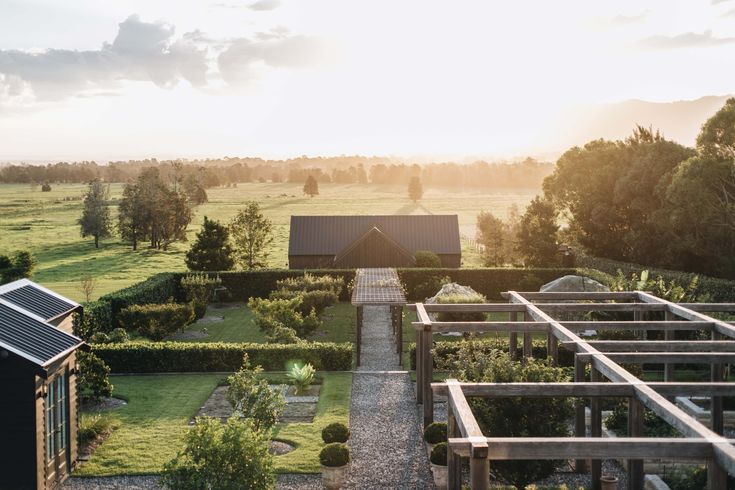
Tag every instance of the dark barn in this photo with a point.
(349, 242)
(38, 413)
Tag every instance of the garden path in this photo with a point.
(386, 445)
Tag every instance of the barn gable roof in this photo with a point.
(36, 299)
(375, 234)
(330, 235)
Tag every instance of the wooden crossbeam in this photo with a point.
(658, 345)
(662, 357)
(576, 326)
(466, 422)
(469, 307)
(720, 326)
(579, 296)
(539, 390)
(439, 327)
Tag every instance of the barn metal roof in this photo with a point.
(329, 235)
(30, 337)
(36, 299)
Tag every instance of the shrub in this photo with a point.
(311, 282)
(227, 456)
(156, 321)
(253, 398)
(439, 454)
(316, 301)
(301, 377)
(282, 335)
(334, 455)
(119, 335)
(653, 425)
(425, 258)
(435, 433)
(476, 316)
(92, 426)
(514, 417)
(335, 432)
(198, 289)
(271, 312)
(168, 357)
(159, 288)
(100, 338)
(45, 187)
(93, 380)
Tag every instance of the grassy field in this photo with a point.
(46, 224)
(159, 409)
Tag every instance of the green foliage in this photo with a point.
(45, 187)
(439, 454)
(498, 237)
(426, 258)
(430, 285)
(653, 425)
(220, 456)
(95, 220)
(251, 234)
(119, 335)
(514, 417)
(94, 425)
(172, 357)
(156, 321)
(93, 380)
(20, 266)
(454, 299)
(415, 189)
(211, 251)
(335, 432)
(312, 282)
(436, 432)
(316, 300)
(301, 376)
(198, 289)
(251, 396)
(334, 455)
(689, 479)
(530, 282)
(311, 186)
(271, 313)
(538, 233)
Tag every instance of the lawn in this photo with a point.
(238, 325)
(46, 224)
(159, 409)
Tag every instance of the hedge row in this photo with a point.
(718, 290)
(443, 349)
(165, 357)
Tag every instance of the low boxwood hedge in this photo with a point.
(167, 357)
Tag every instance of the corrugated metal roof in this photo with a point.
(329, 235)
(30, 337)
(36, 299)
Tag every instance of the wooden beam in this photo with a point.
(469, 307)
(577, 326)
(478, 450)
(674, 389)
(711, 307)
(580, 418)
(688, 313)
(439, 327)
(658, 345)
(635, 429)
(540, 390)
(662, 357)
(599, 307)
(579, 296)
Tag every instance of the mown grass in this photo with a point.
(159, 408)
(46, 224)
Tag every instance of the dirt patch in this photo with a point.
(224, 306)
(209, 319)
(297, 409)
(106, 403)
(278, 448)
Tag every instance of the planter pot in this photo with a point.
(429, 447)
(609, 482)
(333, 477)
(440, 475)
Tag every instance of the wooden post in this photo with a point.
(399, 347)
(419, 367)
(716, 476)
(716, 407)
(669, 335)
(479, 473)
(454, 462)
(513, 317)
(580, 420)
(428, 374)
(596, 429)
(358, 334)
(635, 429)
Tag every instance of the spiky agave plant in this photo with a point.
(301, 377)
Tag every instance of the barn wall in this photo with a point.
(451, 261)
(311, 261)
(65, 323)
(374, 251)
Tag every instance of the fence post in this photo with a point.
(454, 462)
(635, 429)
(580, 420)
(596, 429)
(428, 370)
(419, 357)
(513, 317)
(359, 333)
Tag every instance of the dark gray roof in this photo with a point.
(36, 299)
(30, 337)
(329, 235)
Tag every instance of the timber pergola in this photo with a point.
(532, 312)
(376, 287)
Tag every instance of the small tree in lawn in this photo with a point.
(211, 251)
(537, 234)
(311, 186)
(491, 232)
(251, 234)
(415, 189)
(95, 220)
(87, 285)
(253, 398)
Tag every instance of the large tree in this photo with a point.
(211, 251)
(251, 234)
(415, 189)
(492, 234)
(537, 234)
(17, 267)
(95, 220)
(311, 186)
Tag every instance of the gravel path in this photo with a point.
(285, 482)
(386, 445)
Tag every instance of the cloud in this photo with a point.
(149, 52)
(629, 19)
(265, 5)
(685, 40)
(729, 13)
(715, 2)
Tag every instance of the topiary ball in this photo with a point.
(334, 455)
(439, 454)
(335, 432)
(435, 433)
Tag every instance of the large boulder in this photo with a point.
(456, 293)
(453, 290)
(573, 284)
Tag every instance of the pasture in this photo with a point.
(46, 224)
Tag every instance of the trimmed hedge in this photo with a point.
(166, 357)
(719, 290)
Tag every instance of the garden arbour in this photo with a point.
(530, 312)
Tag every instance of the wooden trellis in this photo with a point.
(531, 312)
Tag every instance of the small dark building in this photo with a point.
(38, 404)
(349, 242)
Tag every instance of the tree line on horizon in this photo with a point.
(526, 174)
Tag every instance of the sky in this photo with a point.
(111, 79)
